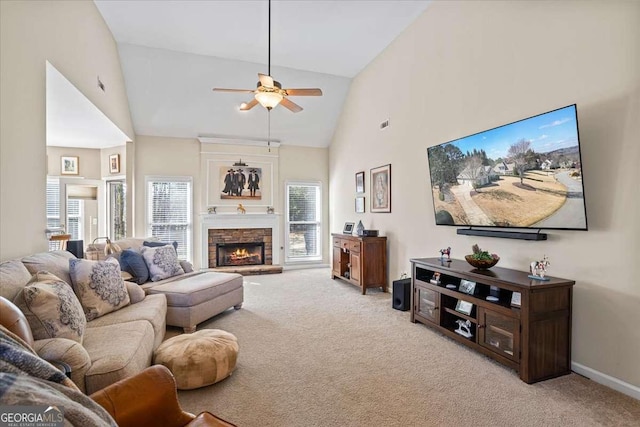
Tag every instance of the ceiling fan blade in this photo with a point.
(245, 106)
(304, 92)
(218, 89)
(292, 106)
(266, 81)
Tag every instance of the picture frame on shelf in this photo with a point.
(380, 185)
(69, 165)
(464, 307)
(359, 204)
(467, 286)
(348, 228)
(360, 182)
(516, 299)
(114, 163)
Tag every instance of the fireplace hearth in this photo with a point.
(239, 254)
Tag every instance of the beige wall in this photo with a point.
(89, 161)
(464, 67)
(73, 37)
(162, 156)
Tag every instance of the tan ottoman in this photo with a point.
(199, 359)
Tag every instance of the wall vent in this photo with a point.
(384, 124)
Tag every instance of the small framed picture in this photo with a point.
(464, 307)
(348, 228)
(467, 286)
(360, 182)
(69, 165)
(114, 163)
(359, 204)
(516, 299)
(380, 187)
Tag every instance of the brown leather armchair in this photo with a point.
(146, 399)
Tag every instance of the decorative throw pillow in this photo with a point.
(158, 244)
(162, 262)
(51, 308)
(133, 263)
(99, 286)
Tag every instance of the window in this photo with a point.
(168, 215)
(117, 191)
(303, 222)
(75, 209)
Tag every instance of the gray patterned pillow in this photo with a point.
(51, 308)
(99, 286)
(162, 262)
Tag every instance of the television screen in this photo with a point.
(526, 174)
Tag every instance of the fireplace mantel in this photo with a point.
(249, 220)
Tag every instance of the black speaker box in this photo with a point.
(401, 294)
(76, 247)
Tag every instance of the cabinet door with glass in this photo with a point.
(499, 333)
(427, 304)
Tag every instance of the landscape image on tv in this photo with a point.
(527, 174)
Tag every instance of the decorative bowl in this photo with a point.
(482, 264)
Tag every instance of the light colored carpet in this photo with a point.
(315, 352)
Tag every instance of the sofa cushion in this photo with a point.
(132, 262)
(55, 262)
(113, 360)
(162, 262)
(13, 276)
(136, 293)
(153, 309)
(99, 286)
(51, 308)
(154, 244)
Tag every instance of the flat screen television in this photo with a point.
(525, 174)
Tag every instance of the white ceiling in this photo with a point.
(72, 120)
(174, 52)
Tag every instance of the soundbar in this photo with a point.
(521, 235)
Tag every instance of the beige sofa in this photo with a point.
(192, 297)
(116, 345)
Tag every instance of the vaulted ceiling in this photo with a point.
(174, 52)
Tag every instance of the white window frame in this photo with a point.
(109, 207)
(147, 223)
(318, 222)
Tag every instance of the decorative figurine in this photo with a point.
(538, 269)
(241, 209)
(270, 210)
(212, 210)
(446, 252)
(464, 328)
(360, 228)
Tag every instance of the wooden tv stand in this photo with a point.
(534, 339)
(361, 261)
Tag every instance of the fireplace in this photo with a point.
(235, 254)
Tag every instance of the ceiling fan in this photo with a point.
(269, 93)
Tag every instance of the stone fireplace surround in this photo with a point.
(239, 235)
(213, 224)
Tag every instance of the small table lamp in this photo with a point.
(109, 248)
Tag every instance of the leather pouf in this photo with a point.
(199, 359)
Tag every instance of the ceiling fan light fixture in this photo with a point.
(269, 99)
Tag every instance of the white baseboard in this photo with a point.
(606, 380)
(304, 265)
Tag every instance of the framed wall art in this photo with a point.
(380, 185)
(360, 182)
(359, 204)
(69, 165)
(114, 163)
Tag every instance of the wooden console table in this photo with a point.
(534, 338)
(361, 261)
